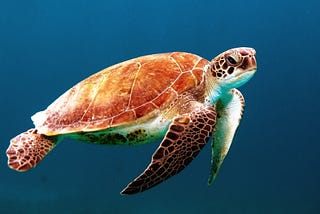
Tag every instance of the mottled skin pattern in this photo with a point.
(226, 65)
(173, 96)
(184, 140)
(28, 148)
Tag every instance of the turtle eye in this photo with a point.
(231, 60)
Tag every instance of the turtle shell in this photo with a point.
(122, 93)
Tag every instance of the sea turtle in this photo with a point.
(178, 97)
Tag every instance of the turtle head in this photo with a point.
(234, 67)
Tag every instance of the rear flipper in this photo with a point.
(28, 148)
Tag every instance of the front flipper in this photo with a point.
(187, 135)
(229, 113)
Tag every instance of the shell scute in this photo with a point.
(153, 78)
(184, 82)
(143, 110)
(123, 117)
(164, 97)
(185, 61)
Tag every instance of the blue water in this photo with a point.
(273, 165)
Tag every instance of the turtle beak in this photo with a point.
(250, 58)
(253, 59)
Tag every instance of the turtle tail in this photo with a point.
(28, 148)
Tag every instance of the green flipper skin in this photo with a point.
(186, 136)
(229, 113)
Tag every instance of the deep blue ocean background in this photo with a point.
(273, 165)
